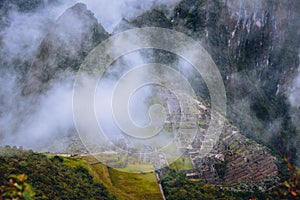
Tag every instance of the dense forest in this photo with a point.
(50, 178)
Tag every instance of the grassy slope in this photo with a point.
(121, 184)
(182, 163)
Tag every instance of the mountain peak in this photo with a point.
(75, 33)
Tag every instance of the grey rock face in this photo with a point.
(255, 44)
(152, 18)
(73, 36)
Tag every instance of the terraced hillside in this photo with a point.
(237, 162)
(234, 161)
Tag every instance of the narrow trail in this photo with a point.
(159, 184)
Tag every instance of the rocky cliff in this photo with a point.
(75, 33)
(256, 47)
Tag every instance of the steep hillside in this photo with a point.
(75, 33)
(83, 177)
(51, 177)
(234, 162)
(255, 46)
(123, 185)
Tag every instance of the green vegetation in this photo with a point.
(17, 189)
(201, 122)
(221, 169)
(51, 178)
(54, 177)
(138, 168)
(139, 186)
(182, 163)
(83, 177)
(176, 186)
(127, 186)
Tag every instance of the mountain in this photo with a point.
(246, 48)
(234, 162)
(252, 45)
(255, 45)
(256, 48)
(75, 33)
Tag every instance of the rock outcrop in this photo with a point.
(71, 38)
(152, 18)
